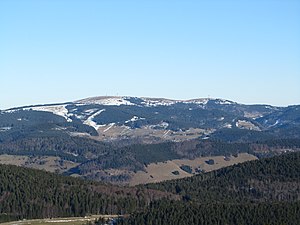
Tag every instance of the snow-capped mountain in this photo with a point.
(148, 119)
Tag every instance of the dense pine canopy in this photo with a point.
(29, 193)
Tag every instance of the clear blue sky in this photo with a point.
(63, 50)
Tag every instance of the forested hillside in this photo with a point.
(264, 191)
(28, 193)
(270, 179)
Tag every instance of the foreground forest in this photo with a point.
(264, 191)
(28, 193)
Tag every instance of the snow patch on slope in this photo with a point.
(224, 102)
(227, 125)
(277, 122)
(5, 128)
(134, 118)
(90, 121)
(110, 126)
(59, 110)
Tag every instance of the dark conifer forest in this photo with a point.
(28, 193)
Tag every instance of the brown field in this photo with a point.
(157, 172)
(48, 163)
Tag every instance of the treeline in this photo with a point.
(28, 193)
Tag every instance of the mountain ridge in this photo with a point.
(95, 132)
(111, 118)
